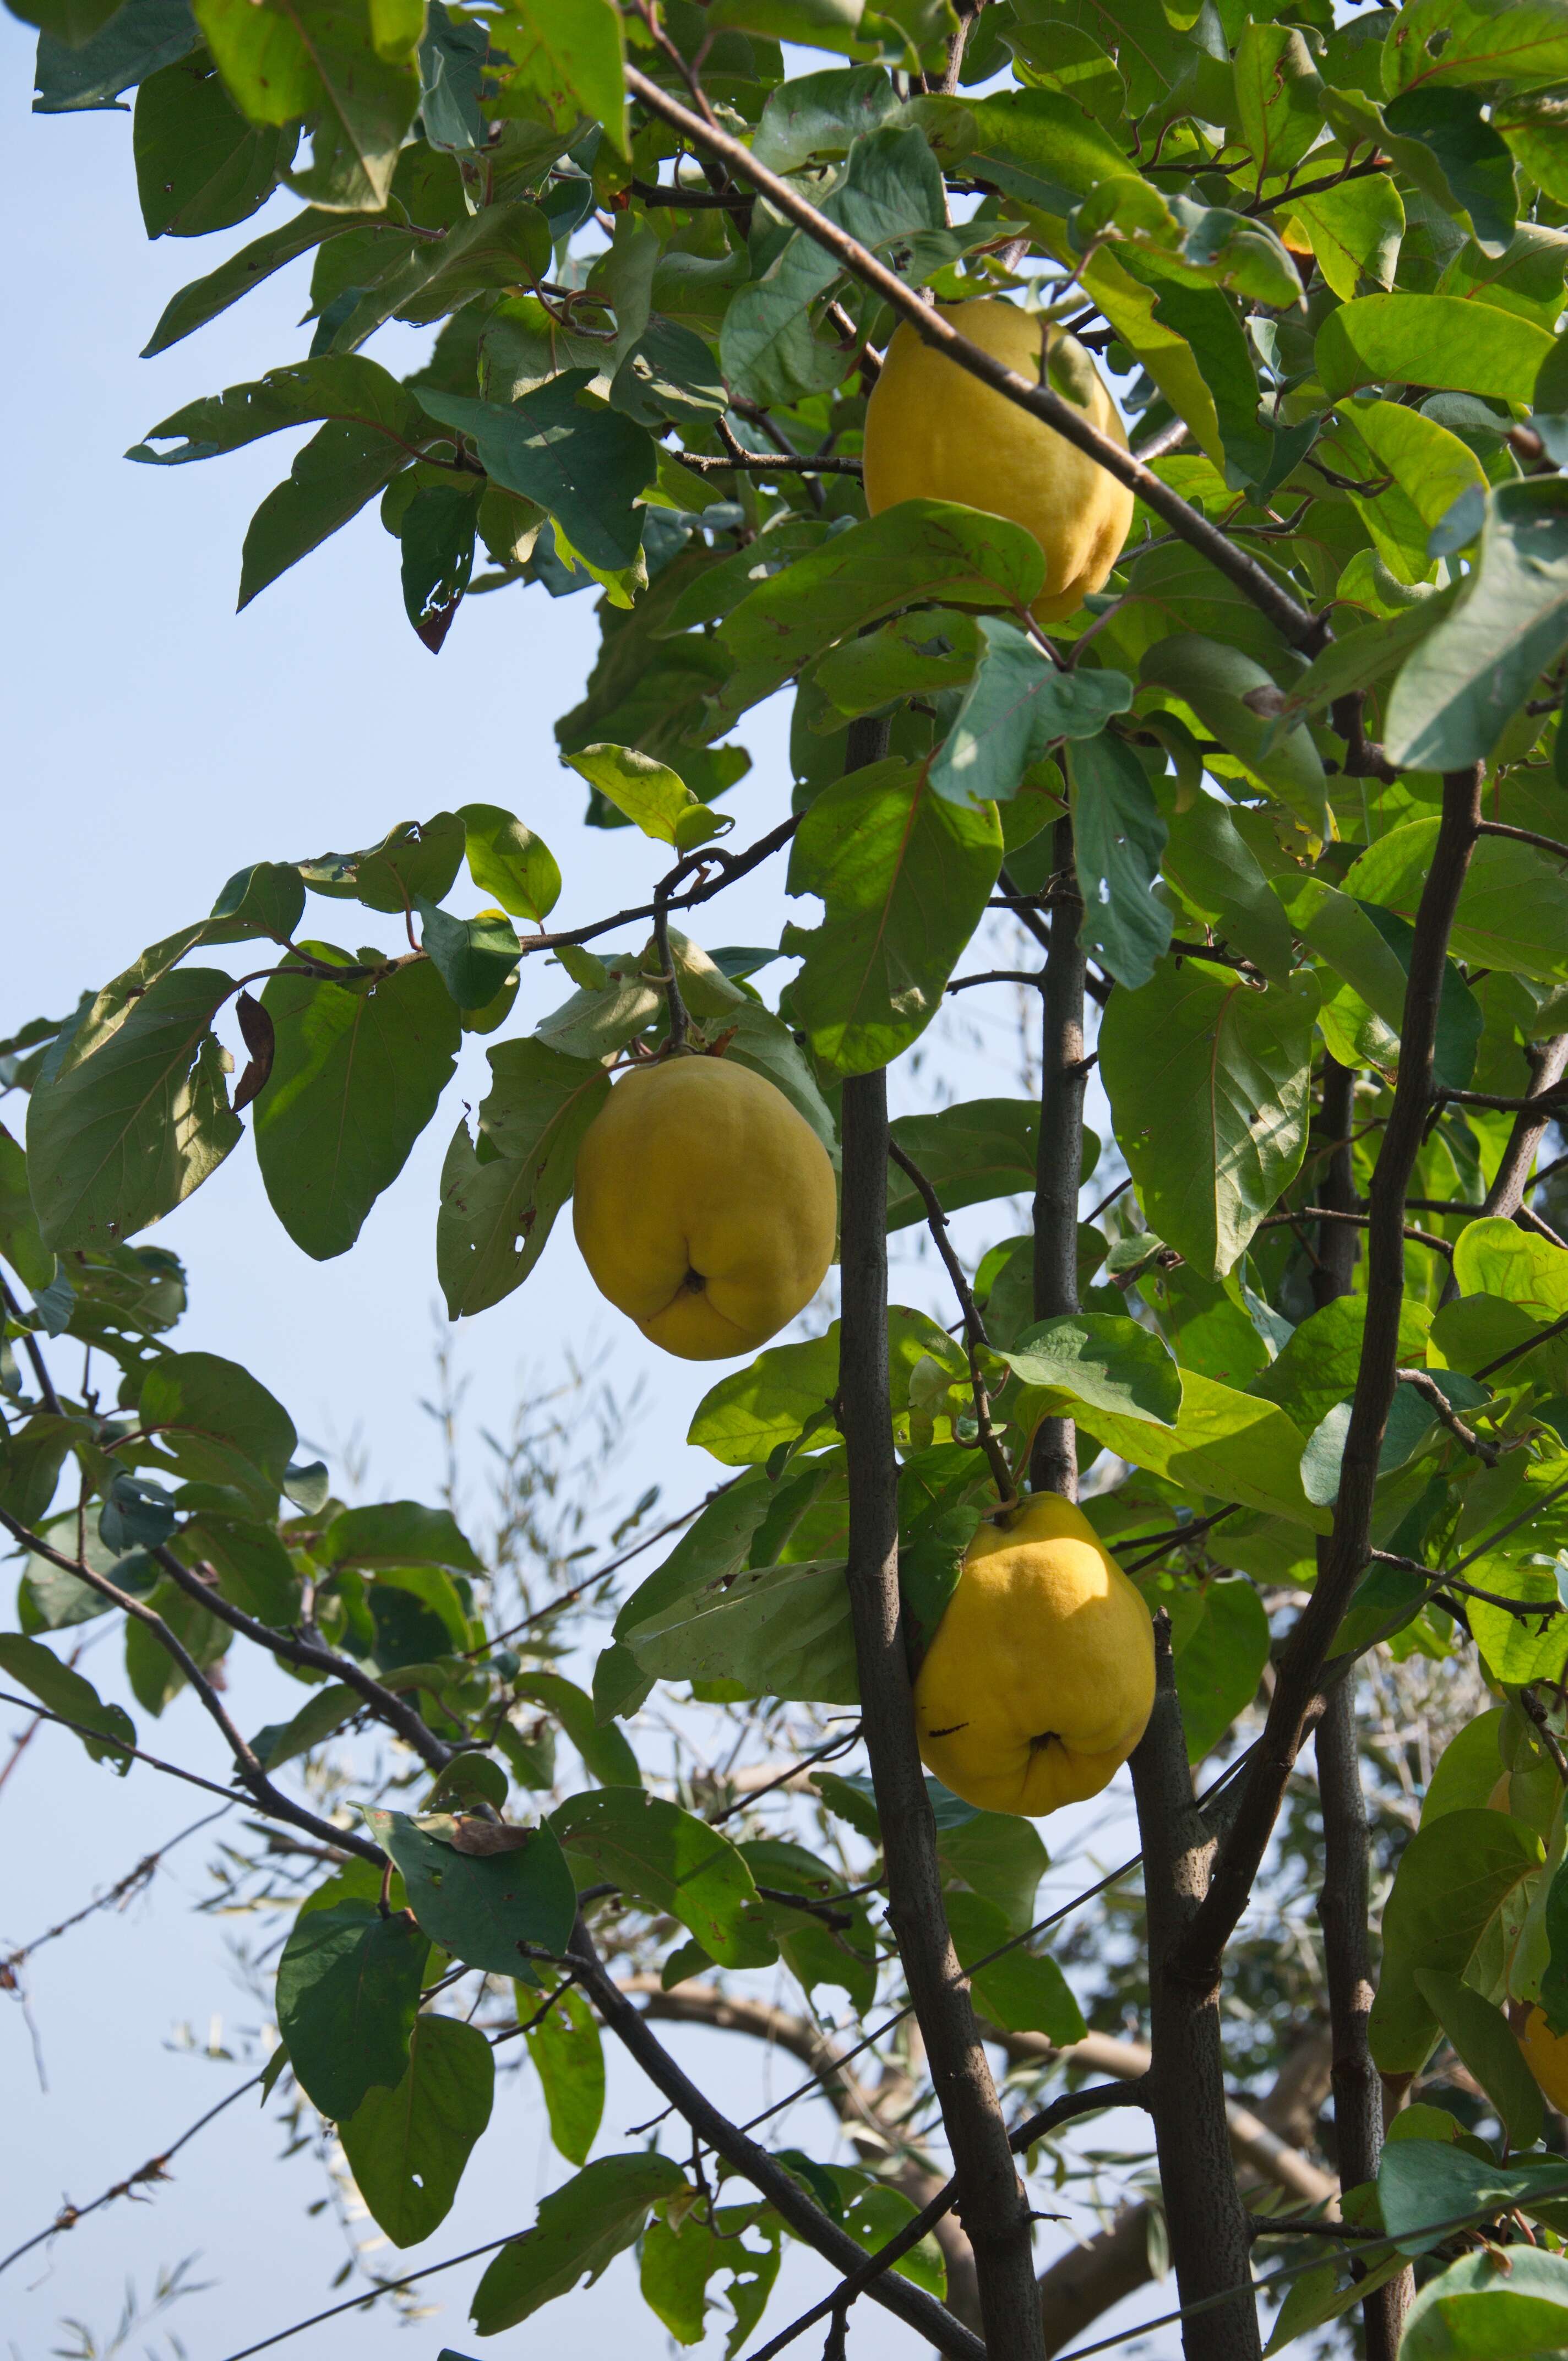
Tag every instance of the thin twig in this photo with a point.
(976, 1341)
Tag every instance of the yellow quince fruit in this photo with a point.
(935, 432)
(705, 1206)
(1546, 2055)
(1040, 1679)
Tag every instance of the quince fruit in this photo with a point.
(933, 432)
(1546, 2055)
(1040, 1679)
(705, 1206)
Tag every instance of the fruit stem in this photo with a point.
(679, 1022)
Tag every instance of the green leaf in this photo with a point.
(416, 857)
(653, 797)
(1467, 679)
(1212, 866)
(582, 463)
(1317, 1366)
(204, 1410)
(1513, 907)
(1355, 232)
(1021, 1992)
(356, 1073)
(348, 1986)
(1490, 2307)
(678, 2263)
(436, 538)
(322, 1714)
(397, 1533)
(473, 956)
(200, 165)
(917, 549)
(565, 2046)
(1278, 97)
(780, 1631)
(330, 59)
(565, 57)
(787, 1390)
(1470, 156)
(64, 1690)
(977, 1149)
(1037, 144)
(1208, 1084)
(1217, 683)
(1455, 41)
(1220, 1653)
(500, 1199)
(998, 1856)
(501, 245)
(607, 1754)
(1436, 340)
(1224, 1445)
(20, 1242)
(666, 1860)
(906, 877)
(874, 2212)
(139, 39)
(1467, 1770)
(72, 22)
(1424, 2184)
(452, 58)
(1364, 657)
(1453, 1876)
(1484, 2041)
(407, 2146)
(1118, 839)
(204, 299)
(507, 861)
(581, 2228)
(822, 115)
(483, 1907)
(1017, 706)
(1101, 1361)
(122, 1136)
(669, 373)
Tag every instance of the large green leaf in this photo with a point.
(1453, 1876)
(1422, 2184)
(1317, 1366)
(500, 1197)
(200, 165)
(1484, 2040)
(1465, 680)
(780, 1631)
(1099, 1360)
(407, 2146)
(348, 1986)
(139, 39)
(975, 1150)
(204, 299)
(204, 1410)
(20, 1242)
(917, 549)
(564, 59)
(1118, 838)
(355, 1077)
(787, 1392)
(66, 1691)
(123, 1136)
(584, 462)
(1491, 2306)
(1513, 907)
(681, 2257)
(1224, 1445)
(668, 1861)
(581, 2228)
(352, 68)
(1209, 1083)
(1436, 340)
(1220, 1645)
(1217, 682)
(906, 877)
(485, 1908)
(397, 1533)
(564, 2043)
(500, 245)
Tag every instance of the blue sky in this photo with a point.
(156, 742)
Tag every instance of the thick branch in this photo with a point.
(1058, 1148)
(993, 2204)
(1296, 1700)
(1208, 2240)
(1291, 620)
(772, 2179)
(1338, 1246)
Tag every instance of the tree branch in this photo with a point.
(993, 2205)
(1292, 620)
(773, 2180)
(1295, 1702)
(1209, 2241)
(1058, 1148)
(975, 1337)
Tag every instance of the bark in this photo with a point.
(993, 2203)
(1059, 1152)
(1297, 1699)
(1338, 1243)
(1210, 2242)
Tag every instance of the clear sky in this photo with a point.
(154, 744)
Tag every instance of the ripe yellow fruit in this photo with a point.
(935, 432)
(705, 1206)
(1546, 2055)
(1040, 1679)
